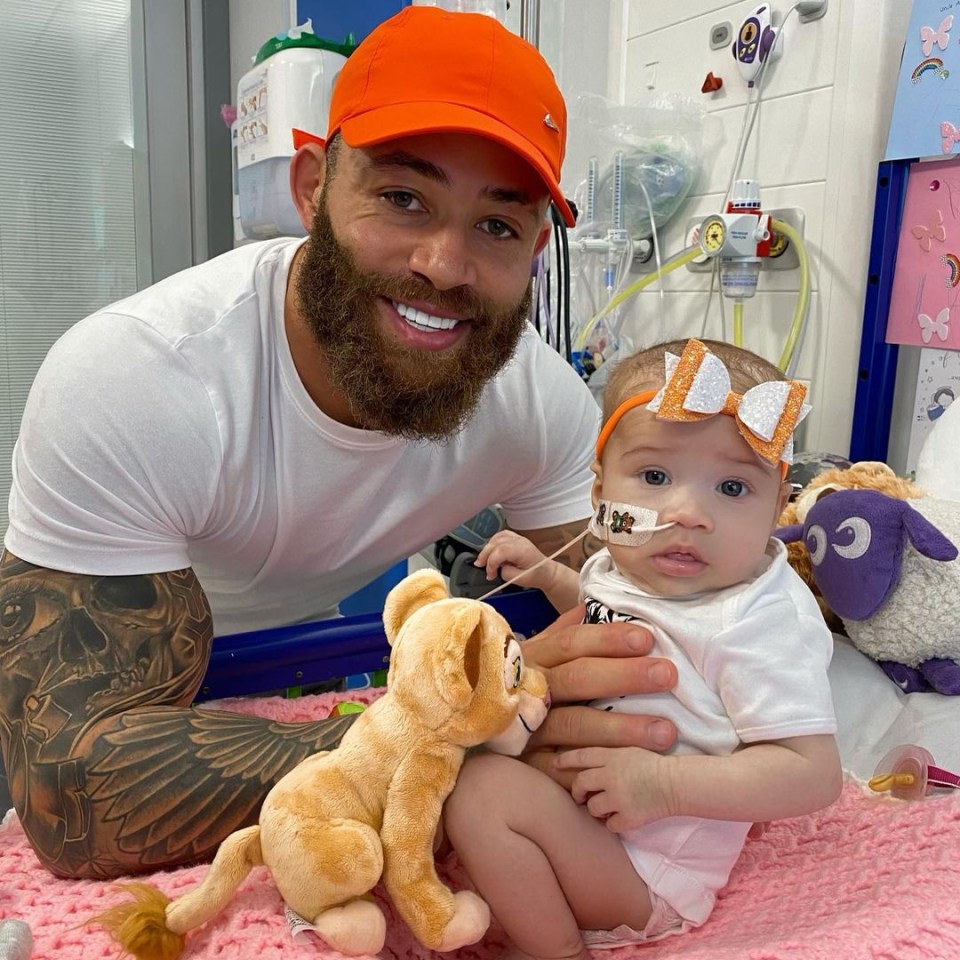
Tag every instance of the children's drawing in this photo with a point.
(926, 111)
(926, 279)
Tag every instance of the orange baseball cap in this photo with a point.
(427, 70)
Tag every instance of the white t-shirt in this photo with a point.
(171, 430)
(752, 665)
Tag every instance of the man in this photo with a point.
(244, 444)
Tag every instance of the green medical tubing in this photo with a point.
(678, 260)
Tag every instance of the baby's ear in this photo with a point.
(596, 491)
(784, 498)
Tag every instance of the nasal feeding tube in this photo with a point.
(613, 522)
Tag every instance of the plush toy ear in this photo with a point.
(458, 660)
(408, 596)
(926, 538)
(789, 534)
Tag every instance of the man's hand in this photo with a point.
(590, 661)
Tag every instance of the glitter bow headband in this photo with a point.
(698, 386)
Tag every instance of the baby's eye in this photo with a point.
(656, 478)
(733, 488)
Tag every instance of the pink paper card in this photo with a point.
(925, 300)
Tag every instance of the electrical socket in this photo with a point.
(720, 34)
(788, 260)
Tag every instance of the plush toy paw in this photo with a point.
(908, 679)
(356, 929)
(942, 674)
(468, 924)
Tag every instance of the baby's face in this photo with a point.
(723, 500)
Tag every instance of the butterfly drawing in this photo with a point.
(939, 37)
(949, 135)
(927, 234)
(930, 326)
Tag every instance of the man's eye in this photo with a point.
(402, 199)
(498, 229)
(656, 478)
(733, 488)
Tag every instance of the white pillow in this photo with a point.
(938, 466)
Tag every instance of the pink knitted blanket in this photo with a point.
(868, 878)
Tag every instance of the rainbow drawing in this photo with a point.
(930, 65)
(952, 262)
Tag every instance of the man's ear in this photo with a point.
(596, 491)
(542, 238)
(308, 170)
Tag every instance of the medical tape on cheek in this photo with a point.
(624, 524)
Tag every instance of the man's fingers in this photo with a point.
(568, 638)
(593, 678)
(589, 727)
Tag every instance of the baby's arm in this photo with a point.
(512, 555)
(772, 780)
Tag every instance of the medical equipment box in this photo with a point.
(289, 86)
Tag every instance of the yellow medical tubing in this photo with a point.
(738, 323)
(678, 260)
(803, 298)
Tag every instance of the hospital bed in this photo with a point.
(869, 877)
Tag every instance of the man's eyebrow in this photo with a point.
(508, 195)
(401, 158)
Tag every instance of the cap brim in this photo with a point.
(301, 137)
(412, 119)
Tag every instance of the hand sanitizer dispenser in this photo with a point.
(289, 86)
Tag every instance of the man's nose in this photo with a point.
(442, 256)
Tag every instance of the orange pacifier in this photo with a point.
(908, 772)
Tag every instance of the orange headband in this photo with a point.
(645, 397)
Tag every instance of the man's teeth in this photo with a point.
(423, 320)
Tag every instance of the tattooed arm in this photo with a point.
(549, 539)
(110, 769)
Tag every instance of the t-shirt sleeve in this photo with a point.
(568, 419)
(770, 670)
(118, 455)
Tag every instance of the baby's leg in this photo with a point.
(547, 867)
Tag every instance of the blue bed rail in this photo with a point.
(262, 661)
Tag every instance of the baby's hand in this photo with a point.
(510, 554)
(625, 786)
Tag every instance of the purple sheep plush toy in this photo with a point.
(888, 568)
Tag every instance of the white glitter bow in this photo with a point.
(698, 386)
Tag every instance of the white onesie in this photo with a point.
(752, 665)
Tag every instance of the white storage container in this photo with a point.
(289, 86)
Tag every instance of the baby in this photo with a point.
(690, 480)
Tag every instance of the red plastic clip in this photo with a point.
(711, 84)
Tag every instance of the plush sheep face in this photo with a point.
(856, 540)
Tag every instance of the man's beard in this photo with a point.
(391, 387)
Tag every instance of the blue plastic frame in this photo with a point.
(265, 661)
(877, 371)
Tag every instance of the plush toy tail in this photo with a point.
(152, 927)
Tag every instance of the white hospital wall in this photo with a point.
(820, 134)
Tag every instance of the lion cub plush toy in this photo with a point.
(339, 821)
